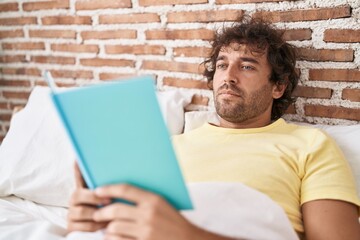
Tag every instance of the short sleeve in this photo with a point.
(327, 174)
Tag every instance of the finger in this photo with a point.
(81, 213)
(85, 196)
(80, 183)
(116, 237)
(123, 228)
(116, 211)
(85, 226)
(124, 191)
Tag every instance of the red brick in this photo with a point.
(52, 34)
(12, 58)
(90, 48)
(169, 2)
(297, 34)
(114, 76)
(129, 18)
(200, 100)
(204, 16)
(95, 4)
(24, 46)
(43, 5)
(307, 15)
(18, 21)
(335, 55)
(342, 35)
(185, 83)
(351, 94)
(97, 62)
(204, 34)
(2, 136)
(110, 34)
(14, 83)
(13, 105)
(4, 105)
(171, 66)
(21, 71)
(343, 75)
(11, 34)
(5, 116)
(6, 125)
(59, 84)
(291, 109)
(53, 60)
(192, 51)
(312, 92)
(16, 95)
(72, 74)
(7, 7)
(135, 49)
(247, 1)
(66, 20)
(332, 112)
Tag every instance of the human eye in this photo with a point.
(247, 67)
(220, 65)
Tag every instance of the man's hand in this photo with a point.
(83, 204)
(151, 218)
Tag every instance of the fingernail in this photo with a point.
(99, 191)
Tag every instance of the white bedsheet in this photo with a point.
(231, 209)
(22, 219)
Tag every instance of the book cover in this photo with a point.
(120, 136)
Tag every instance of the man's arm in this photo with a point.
(331, 220)
(151, 218)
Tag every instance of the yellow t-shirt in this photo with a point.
(289, 163)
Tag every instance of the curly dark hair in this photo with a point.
(261, 37)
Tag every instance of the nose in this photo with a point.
(231, 74)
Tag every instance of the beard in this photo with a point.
(244, 107)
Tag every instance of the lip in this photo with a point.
(228, 93)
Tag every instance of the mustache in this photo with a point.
(231, 87)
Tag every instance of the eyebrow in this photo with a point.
(219, 58)
(244, 59)
(249, 59)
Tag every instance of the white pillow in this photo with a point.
(36, 158)
(195, 119)
(347, 137)
(172, 104)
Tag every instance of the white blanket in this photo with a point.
(230, 209)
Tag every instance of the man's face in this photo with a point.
(242, 90)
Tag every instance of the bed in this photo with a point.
(36, 178)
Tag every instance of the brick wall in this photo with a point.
(82, 41)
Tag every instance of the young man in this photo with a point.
(252, 73)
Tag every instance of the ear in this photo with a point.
(278, 90)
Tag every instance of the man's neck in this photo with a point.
(250, 123)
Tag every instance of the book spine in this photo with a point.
(80, 160)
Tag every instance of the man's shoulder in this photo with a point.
(305, 128)
(307, 132)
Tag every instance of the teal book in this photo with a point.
(119, 135)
